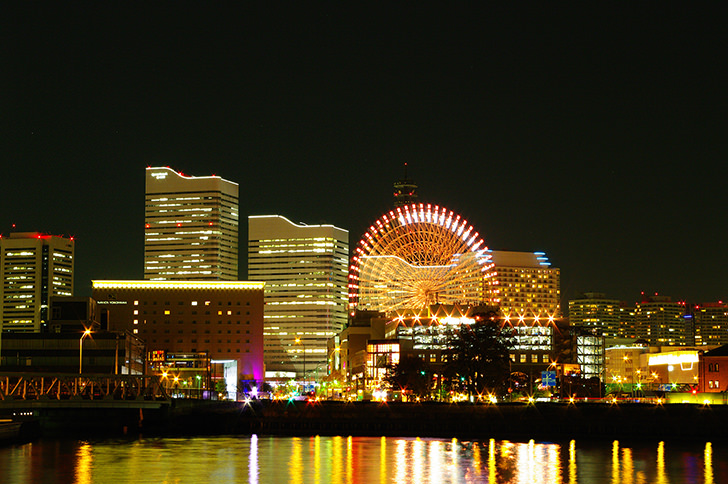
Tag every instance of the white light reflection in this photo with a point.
(253, 460)
(435, 454)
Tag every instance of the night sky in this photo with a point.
(597, 136)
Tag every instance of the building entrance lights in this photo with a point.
(80, 350)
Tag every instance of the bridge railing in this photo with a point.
(59, 386)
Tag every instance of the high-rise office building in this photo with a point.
(305, 270)
(528, 291)
(595, 311)
(191, 227)
(33, 269)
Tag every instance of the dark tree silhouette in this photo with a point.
(412, 376)
(479, 355)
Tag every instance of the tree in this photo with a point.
(480, 355)
(412, 375)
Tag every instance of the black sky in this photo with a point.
(596, 135)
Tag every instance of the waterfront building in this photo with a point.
(625, 366)
(100, 352)
(191, 227)
(590, 355)
(74, 315)
(662, 322)
(347, 350)
(34, 269)
(714, 370)
(528, 292)
(710, 322)
(305, 270)
(596, 311)
(221, 318)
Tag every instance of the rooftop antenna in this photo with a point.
(405, 191)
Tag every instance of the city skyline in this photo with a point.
(598, 139)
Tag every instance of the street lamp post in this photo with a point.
(80, 350)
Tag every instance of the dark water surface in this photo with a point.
(314, 460)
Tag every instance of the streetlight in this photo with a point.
(80, 350)
(299, 342)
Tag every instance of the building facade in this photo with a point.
(662, 322)
(595, 311)
(305, 270)
(221, 318)
(710, 323)
(34, 268)
(191, 227)
(528, 292)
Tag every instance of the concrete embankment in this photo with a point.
(543, 421)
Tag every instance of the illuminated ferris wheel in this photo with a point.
(418, 255)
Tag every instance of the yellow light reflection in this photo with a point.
(317, 459)
(491, 461)
(336, 471)
(84, 464)
(477, 462)
(615, 463)
(661, 474)
(295, 465)
(708, 463)
(253, 460)
(572, 462)
(349, 459)
(628, 466)
(383, 460)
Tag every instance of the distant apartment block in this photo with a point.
(710, 323)
(596, 312)
(34, 268)
(305, 270)
(191, 227)
(661, 322)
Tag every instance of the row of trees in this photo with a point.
(478, 362)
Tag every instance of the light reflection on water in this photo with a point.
(320, 460)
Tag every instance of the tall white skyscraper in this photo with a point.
(33, 269)
(191, 227)
(305, 270)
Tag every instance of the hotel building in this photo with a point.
(305, 270)
(221, 318)
(191, 227)
(529, 295)
(33, 269)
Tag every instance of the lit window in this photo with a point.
(136, 331)
(136, 303)
(166, 311)
(523, 358)
(194, 303)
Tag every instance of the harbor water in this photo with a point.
(318, 460)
